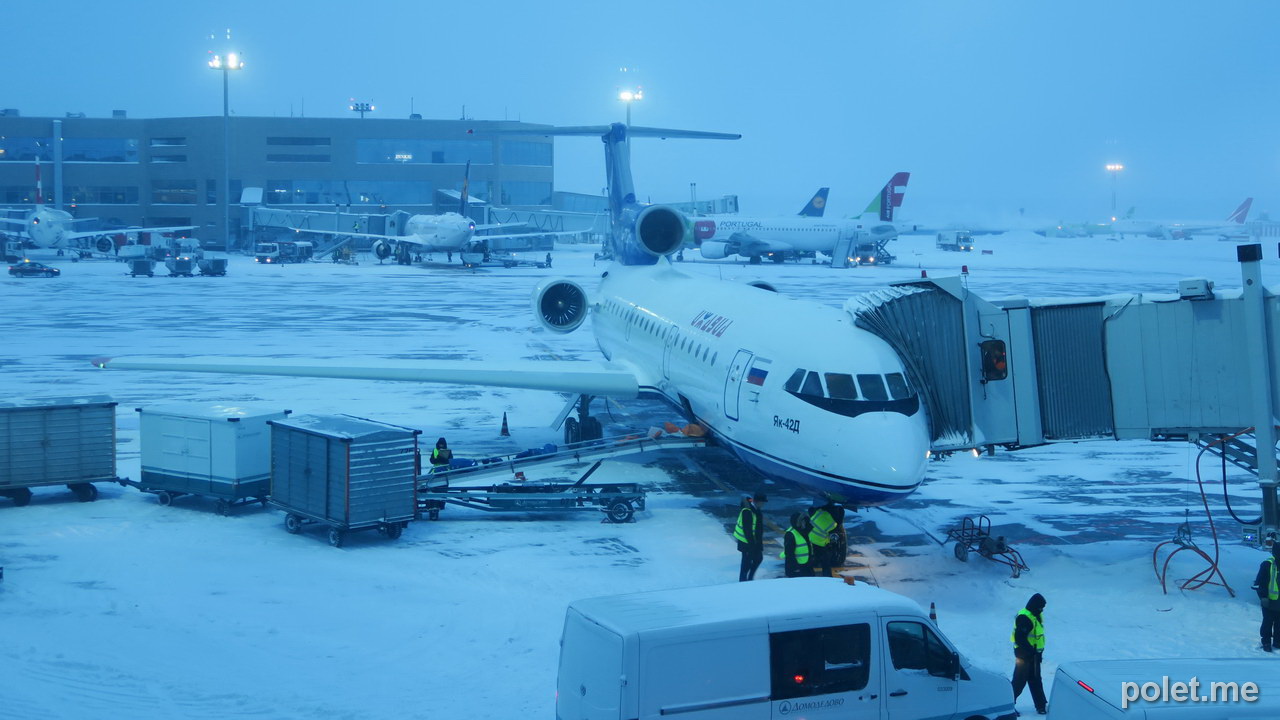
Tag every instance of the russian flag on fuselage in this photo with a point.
(757, 373)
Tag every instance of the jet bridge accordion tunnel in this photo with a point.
(1189, 365)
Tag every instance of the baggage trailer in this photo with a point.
(181, 266)
(219, 451)
(618, 501)
(345, 472)
(57, 441)
(142, 266)
(213, 267)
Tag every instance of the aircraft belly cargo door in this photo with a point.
(733, 383)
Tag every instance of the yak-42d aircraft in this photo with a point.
(50, 228)
(792, 387)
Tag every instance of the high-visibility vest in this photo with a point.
(437, 456)
(1036, 636)
(802, 547)
(823, 524)
(1273, 589)
(739, 532)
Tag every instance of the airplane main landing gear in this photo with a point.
(585, 427)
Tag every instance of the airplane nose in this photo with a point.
(893, 449)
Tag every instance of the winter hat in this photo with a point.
(1036, 603)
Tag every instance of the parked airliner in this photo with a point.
(775, 237)
(46, 227)
(793, 387)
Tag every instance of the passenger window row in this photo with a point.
(842, 386)
(652, 326)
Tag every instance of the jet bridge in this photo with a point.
(1191, 365)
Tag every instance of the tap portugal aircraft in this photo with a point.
(794, 388)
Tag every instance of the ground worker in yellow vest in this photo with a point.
(796, 556)
(823, 519)
(749, 532)
(1028, 651)
(1269, 597)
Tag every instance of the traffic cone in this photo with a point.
(933, 613)
(505, 432)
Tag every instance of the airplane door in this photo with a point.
(668, 343)
(733, 383)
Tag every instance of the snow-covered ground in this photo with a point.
(123, 608)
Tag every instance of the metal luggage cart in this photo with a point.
(975, 536)
(345, 472)
(142, 266)
(618, 501)
(57, 441)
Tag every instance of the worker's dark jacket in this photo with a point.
(753, 528)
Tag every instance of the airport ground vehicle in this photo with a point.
(26, 268)
(282, 251)
(955, 241)
(802, 647)
(1097, 689)
(873, 253)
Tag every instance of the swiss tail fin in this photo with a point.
(889, 197)
(1242, 213)
(816, 204)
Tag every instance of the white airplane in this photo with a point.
(450, 232)
(774, 237)
(46, 227)
(1232, 227)
(793, 387)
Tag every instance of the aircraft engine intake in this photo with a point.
(104, 245)
(560, 305)
(382, 249)
(715, 250)
(661, 230)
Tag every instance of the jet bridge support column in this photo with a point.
(1257, 347)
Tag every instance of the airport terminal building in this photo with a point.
(169, 171)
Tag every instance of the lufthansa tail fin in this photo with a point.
(1242, 213)
(816, 204)
(889, 197)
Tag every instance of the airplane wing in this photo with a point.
(121, 231)
(586, 378)
(414, 240)
(11, 221)
(750, 245)
(558, 233)
(499, 226)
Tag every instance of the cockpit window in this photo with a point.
(840, 386)
(812, 385)
(897, 386)
(793, 384)
(872, 387)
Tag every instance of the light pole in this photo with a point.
(361, 107)
(226, 65)
(1114, 169)
(628, 97)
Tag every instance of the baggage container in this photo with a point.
(345, 472)
(57, 441)
(220, 451)
(142, 266)
(216, 267)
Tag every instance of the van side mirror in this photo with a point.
(955, 666)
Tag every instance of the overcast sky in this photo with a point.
(992, 106)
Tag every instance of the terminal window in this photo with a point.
(297, 157)
(168, 142)
(420, 152)
(102, 195)
(124, 150)
(526, 193)
(311, 141)
(526, 153)
(173, 192)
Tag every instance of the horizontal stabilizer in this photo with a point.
(557, 376)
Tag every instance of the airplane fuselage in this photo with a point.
(47, 228)
(738, 360)
(439, 233)
(755, 236)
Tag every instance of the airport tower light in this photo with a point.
(1114, 169)
(361, 107)
(628, 97)
(226, 63)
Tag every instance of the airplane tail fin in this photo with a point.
(1130, 213)
(1242, 213)
(626, 214)
(466, 181)
(889, 197)
(816, 204)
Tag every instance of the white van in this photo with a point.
(1114, 689)
(810, 648)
